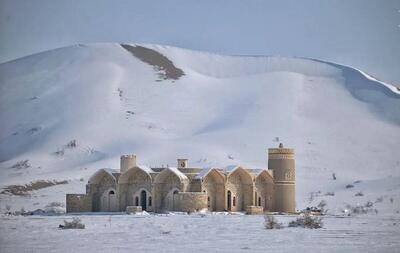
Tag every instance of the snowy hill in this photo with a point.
(68, 112)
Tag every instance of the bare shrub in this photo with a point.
(72, 144)
(76, 223)
(33, 130)
(360, 209)
(349, 186)
(330, 194)
(307, 220)
(334, 176)
(271, 223)
(23, 164)
(59, 152)
(313, 195)
(322, 206)
(359, 194)
(379, 200)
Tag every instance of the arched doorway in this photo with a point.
(131, 184)
(229, 200)
(108, 201)
(264, 186)
(143, 200)
(240, 183)
(174, 199)
(102, 187)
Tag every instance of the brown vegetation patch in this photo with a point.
(23, 164)
(165, 67)
(23, 190)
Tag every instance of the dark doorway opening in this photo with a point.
(143, 199)
(229, 200)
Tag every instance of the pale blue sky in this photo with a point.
(361, 33)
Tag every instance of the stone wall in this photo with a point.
(284, 201)
(255, 210)
(78, 203)
(195, 185)
(190, 201)
(133, 209)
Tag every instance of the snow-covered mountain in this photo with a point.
(67, 112)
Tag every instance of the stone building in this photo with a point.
(235, 188)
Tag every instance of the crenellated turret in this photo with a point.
(127, 162)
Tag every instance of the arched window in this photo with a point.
(143, 200)
(234, 201)
(256, 198)
(259, 201)
(208, 201)
(111, 192)
(136, 201)
(149, 201)
(229, 200)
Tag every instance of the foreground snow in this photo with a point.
(197, 233)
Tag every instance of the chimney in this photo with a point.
(182, 163)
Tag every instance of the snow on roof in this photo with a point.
(109, 171)
(230, 168)
(256, 171)
(204, 172)
(178, 173)
(145, 168)
(266, 171)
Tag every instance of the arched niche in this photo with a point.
(240, 184)
(213, 183)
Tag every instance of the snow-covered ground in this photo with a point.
(194, 233)
(224, 110)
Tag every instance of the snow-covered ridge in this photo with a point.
(224, 110)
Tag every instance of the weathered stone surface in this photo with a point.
(255, 210)
(133, 209)
(78, 203)
(190, 201)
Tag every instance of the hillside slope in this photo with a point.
(70, 111)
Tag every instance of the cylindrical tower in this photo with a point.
(281, 161)
(127, 162)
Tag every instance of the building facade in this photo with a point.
(182, 188)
